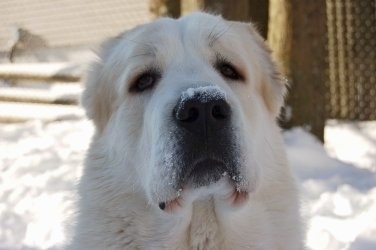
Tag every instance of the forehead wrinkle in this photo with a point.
(129, 36)
(144, 53)
(143, 48)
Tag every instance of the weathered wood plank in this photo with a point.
(56, 72)
(21, 112)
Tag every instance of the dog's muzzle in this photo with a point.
(203, 118)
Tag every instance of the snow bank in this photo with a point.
(40, 164)
(352, 142)
(339, 199)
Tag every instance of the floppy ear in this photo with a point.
(99, 95)
(273, 85)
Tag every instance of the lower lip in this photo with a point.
(237, 198)
(206, 167)
(171, 206)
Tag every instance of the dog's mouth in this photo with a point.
(235, 198)
(202, 174)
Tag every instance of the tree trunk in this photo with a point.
(259, 13)
(169, 8)
(297, 34)
(241, 10)
(191, 5)
(238, 11)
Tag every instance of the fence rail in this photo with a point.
(61, 72)
(42, 97)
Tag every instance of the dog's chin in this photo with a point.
(224, 190)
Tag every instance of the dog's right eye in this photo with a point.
(144, 81)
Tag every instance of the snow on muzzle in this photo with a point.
(208, 151)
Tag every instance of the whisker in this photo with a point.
(211, 35)
(218, 35)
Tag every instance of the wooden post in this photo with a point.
(297, 34)
(169, 8)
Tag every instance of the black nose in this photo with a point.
(202, 111)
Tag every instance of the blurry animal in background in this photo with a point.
(24, 40)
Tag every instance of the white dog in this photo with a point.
(187, 153)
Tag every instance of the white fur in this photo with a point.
(130, 161)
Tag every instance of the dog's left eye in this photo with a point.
(228, 71)
(144, 81)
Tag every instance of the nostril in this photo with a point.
(193, 114)
(187, 114)
(219, 112)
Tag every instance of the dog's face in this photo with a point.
(185, 106)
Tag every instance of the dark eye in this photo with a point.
(228, 71)
(145, 81)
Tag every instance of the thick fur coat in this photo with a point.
(162, 171)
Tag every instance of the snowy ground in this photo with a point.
(338, 184)
(41, 162)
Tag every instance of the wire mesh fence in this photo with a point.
(352, 59)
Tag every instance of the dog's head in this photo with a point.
(185, 105)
